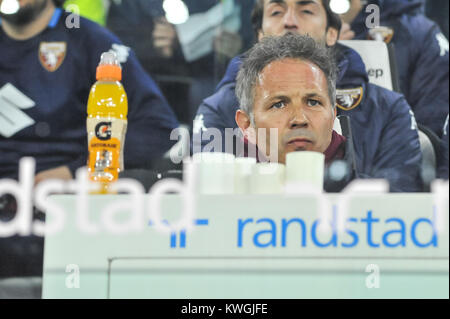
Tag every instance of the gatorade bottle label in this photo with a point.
(106, 142)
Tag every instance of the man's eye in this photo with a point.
(278, 105)
(275, 13)
(313, 102)
(307, 12)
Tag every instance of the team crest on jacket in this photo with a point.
(381, 33)
(348, 99)
(52, 54)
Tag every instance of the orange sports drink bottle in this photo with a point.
(106, 123)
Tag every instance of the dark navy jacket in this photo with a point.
(443, 163)
(384, 131)
(61, 100)
(422, 58)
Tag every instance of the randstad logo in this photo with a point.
(375, 233)
(103, 131)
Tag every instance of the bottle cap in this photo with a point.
(109, 67)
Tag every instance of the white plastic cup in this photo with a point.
(305, 169)
(267, 178)
(243, 169)
(215, 173)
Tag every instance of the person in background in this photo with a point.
(142, 26)
(384, 130)
(46, 72)
(186, 70)
(422, 54)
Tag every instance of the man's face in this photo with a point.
(28, 11)
(299, 16)
(292, 96)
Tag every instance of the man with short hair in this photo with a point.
(385, 136)
(288, 83)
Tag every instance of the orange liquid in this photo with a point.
(107, 100)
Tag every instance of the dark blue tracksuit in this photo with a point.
(422, 58)
(384, 132)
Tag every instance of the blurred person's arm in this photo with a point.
(346, 32)
(197, 35)
(62, 172)
(347, 18)
(164, 37)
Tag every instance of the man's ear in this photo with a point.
(260, 35)
(332, 36)
(244, 123)
(242, 120)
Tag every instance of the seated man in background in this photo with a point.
(384, 130)
(46, 72)
(421, 51)
(288, 83)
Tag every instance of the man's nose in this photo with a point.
(290, 20)
(299, 119)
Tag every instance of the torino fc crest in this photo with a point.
(52, 54)
(348, 99)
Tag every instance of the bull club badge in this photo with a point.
(384, 34)
(348, 99)
(52, 54)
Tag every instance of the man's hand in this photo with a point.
(61, 172)
(346, 32)
(164, 37)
